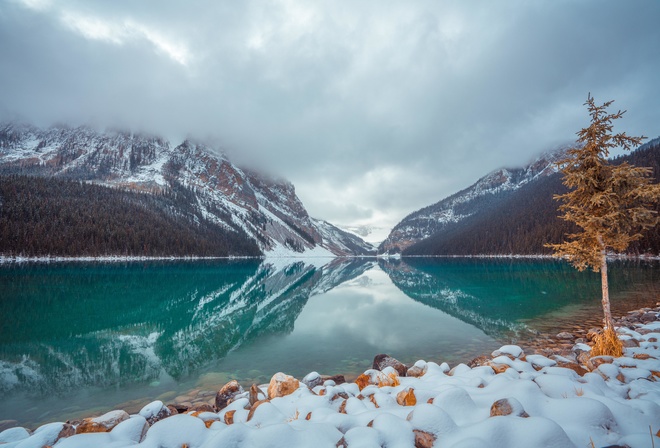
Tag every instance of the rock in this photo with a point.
(312, 380)
(584, 360)
(201, 407)
(6, 424)
(508, 406)
(180, 408)
(155, 411)
(173, 409)
(598, 360)
(338, 379)
(415, 372)
(282, 385)
(382, 361)
(67, 431)
(229, 417)
(406, 398)
(104, 423)
(647, 317)
(592, 333)
(13, 434)
(423, 439)
(642, 356)
(565, 335)
(227, 393)
(511, 351)
(376, 378)
(628, 343)
(482, 360)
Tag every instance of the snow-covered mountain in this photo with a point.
(266, 209)
(492, 187)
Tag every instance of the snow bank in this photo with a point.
(512, 400)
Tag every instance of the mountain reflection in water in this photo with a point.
(104, 334)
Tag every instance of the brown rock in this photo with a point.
(254, 394)
(642, 356)
(173, 409)
(104, 423)
(565, 335)
(598, 360)
(6, 424)
(341, 443)
(482, 360)
(652, 339)
(584, 359)
(254, 408)
(67, 431)
(382, 361)
(338, 379)
(282, 385)
(201, 407)
(630, 343)
(573, 366)
(508, 406)
(415, 372)
(229, 417)
(423, 439)
(406, 398)
(498, 368)
(227, 393)
(309, 416)
(363, 381)
(179, 407)
(342, 407)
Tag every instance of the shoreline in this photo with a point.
(566, 350)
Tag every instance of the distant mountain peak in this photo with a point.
(429, 220)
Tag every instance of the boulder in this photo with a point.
(406, 398)
(508, 406)
(423, 439)
(337, 379)
(227, 393)
(565, 335)
(312, 380)
(201, 407)
(382, 361)
(281, 385)
(155, 411)
(104, 423)
(13, 434)
(377, 378)
(6, 424)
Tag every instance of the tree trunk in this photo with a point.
(607, 314)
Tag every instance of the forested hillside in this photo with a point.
(525, 220)
(50, 216)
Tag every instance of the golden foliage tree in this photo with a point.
(609, 203)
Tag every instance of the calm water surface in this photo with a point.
(79, 338)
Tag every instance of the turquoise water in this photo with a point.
(78, 338)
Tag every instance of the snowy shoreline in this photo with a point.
(507, 399)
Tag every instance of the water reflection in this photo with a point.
(498, 295)
(70, 326)
(105, 334)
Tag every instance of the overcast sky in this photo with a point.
(372, 109)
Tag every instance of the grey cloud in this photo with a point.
(372, 109)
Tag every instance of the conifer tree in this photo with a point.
(610, 204)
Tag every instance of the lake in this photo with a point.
(79, 338)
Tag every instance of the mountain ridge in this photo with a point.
(237, 200)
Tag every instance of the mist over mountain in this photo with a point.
(141, 182)
(508, 211)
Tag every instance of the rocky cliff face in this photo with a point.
(490, 188)
(267, 210)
